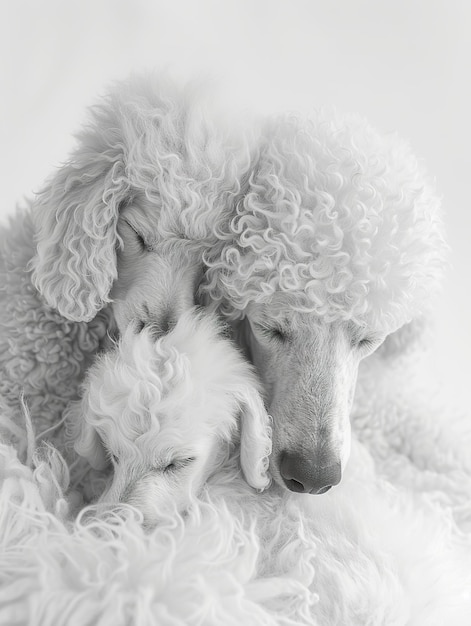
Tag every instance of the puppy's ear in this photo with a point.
(76, 218)
(87, 442)
(255, 438)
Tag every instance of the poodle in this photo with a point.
(127, 218)
(43, 356)
(335, 243)
(164, 414)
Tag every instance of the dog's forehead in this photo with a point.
(281, 308)
(154, 434)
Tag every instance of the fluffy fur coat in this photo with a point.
(389, 546)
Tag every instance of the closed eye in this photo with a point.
(177, 464)
(143, 244)
(368, 344)
(270, 332)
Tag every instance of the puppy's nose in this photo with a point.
(157, 328)
(305, 475)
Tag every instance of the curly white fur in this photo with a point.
(335, 242)
(340, 218)
(165, 414)
(237, 557)
(156, 164)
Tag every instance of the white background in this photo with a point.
(404, 64)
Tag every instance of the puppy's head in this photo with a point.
(165, 414)
(128, 217)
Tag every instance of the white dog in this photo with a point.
(127, 218)
(164, 413)
(336, 244)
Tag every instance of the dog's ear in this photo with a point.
(87, 442)
(76, 220)
(255, 438)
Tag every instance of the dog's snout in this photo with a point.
(305, 475)
(157, 328)
(167, 323)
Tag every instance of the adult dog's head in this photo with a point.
(127, 218)
(336, 243)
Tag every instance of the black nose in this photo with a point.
(305, 475)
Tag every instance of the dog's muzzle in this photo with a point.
(304, 475)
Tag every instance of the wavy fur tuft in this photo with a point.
(166, 411)
(147, 140)
(338, 217)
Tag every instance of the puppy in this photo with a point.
(165, 414)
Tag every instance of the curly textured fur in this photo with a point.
(236, 557)
(164, 413)
(419, 437)
(338, 217)
(382, 551)
(151, 157)
(154, 173)
(43, 356)
(335, 243)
